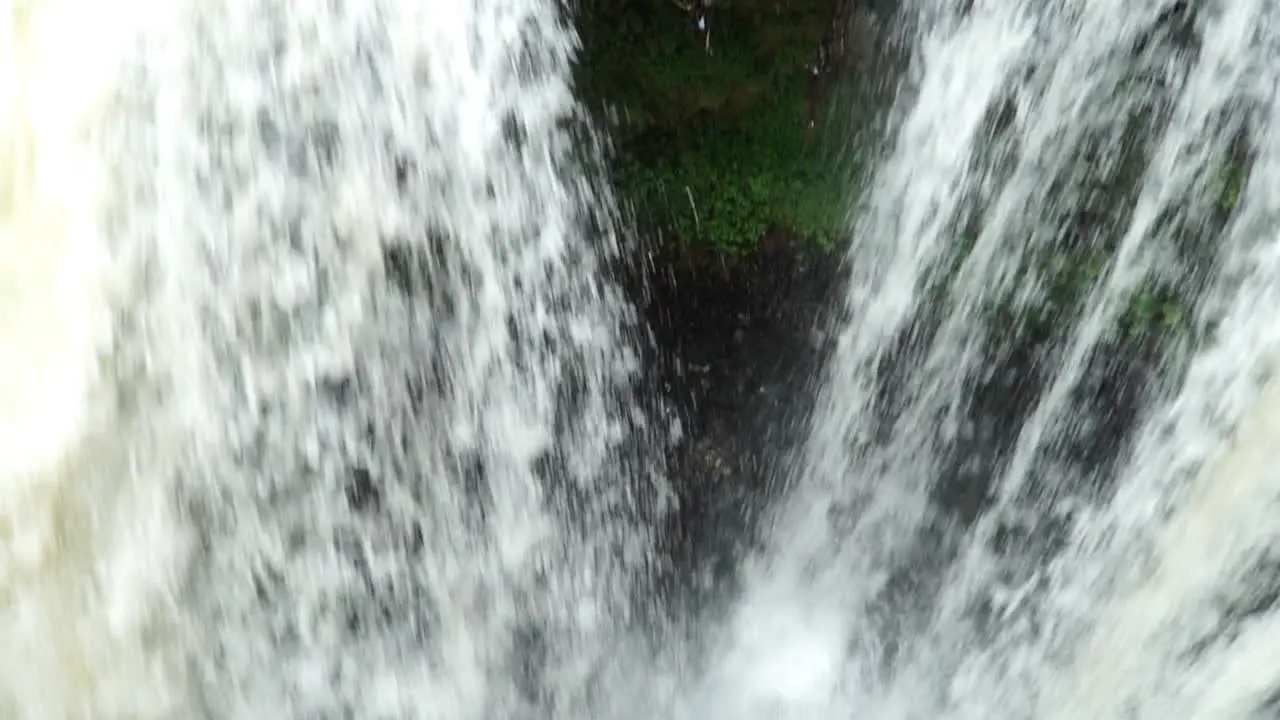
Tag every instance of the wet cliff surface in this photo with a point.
(738, 345)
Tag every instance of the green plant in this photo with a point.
(716, 151)
(1227, 182)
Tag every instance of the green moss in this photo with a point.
(715, 149)
(1154, 308)
(1164, 305)
(1226, 183)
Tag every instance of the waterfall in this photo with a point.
(1023, 494)
(319, 394)
(319, 397)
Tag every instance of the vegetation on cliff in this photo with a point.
(715, 148)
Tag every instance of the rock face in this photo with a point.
(738, 342)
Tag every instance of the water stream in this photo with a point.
(361, 439)
(911, 576)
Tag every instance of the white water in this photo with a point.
(1131, 616)
(85, 543)
(313, 399)
(253, 465)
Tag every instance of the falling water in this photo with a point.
(317, 402)
(315, 399)
(85, 543)
(997, 514)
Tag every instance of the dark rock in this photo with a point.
(735, 339)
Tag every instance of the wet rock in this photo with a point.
(737, 342)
